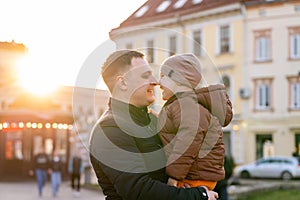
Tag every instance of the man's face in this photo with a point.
(140, 83)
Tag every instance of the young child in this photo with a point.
(190, 124)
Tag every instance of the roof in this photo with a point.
(12, 46)
(259, 2)
(155, 10)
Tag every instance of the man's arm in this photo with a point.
(121, 163)
(141, 186)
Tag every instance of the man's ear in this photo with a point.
(121, 83)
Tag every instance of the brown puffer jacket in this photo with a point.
(190, 127)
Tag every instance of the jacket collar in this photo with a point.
(138, 115)
(179, 95)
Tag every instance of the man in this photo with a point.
(41, 164)
(125, 150)
(75, 169)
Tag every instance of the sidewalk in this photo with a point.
(28, 191)
(251, 186)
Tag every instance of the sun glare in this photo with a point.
(35, 78)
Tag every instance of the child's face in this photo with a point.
(167, 86)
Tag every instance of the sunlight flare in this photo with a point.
(35, 77)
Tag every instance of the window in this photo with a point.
(197, 43)
(262, 45)
(294, 91)
(294, 34)
(263, 94)
(173, 46)
(150, 51)
(13, 146)
(163, 6)
(224, 39)
(295, 95)
(197, 1)
(141, 11)
(226, 82)
(179, 3)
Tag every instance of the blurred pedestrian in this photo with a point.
(41, 166)
(75, 169)
(56, 169)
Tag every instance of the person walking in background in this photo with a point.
(41, 166)
(190, 123)
(221, 187)
(75, 169)
(56, 169)
(125, 150)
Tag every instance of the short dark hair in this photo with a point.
(117, 64)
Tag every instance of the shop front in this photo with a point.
(23, 133)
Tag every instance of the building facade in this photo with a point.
(60, 120)
(212, 30)
(230, 39)
(272, 65)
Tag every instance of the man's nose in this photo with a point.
(153, 81)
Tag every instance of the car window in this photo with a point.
(287, 162)
(263, 162)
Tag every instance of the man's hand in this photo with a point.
(172, 182)
(212, 195)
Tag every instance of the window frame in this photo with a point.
(262, 46)
(150, 51)
(263, 100)
(197, 42)
(220, 42)
(224, 39)
(294, 34)
(294, 97)
(172, 45)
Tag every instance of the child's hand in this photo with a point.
(153, 112)
(172, 182)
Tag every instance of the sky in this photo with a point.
(59, 34)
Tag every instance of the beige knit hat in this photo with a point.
(183, 68)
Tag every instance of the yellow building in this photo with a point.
(252, 47)
(212, 30)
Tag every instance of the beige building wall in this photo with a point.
(280, 122)
(214, 65)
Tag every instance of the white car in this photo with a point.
(283, 167)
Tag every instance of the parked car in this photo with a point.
(283, 167)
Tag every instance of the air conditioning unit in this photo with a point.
(245, 93)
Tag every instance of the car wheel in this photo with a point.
(286, 175)
(245, 174)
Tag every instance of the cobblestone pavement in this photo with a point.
(29, 191)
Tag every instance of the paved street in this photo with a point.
(28, 191)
